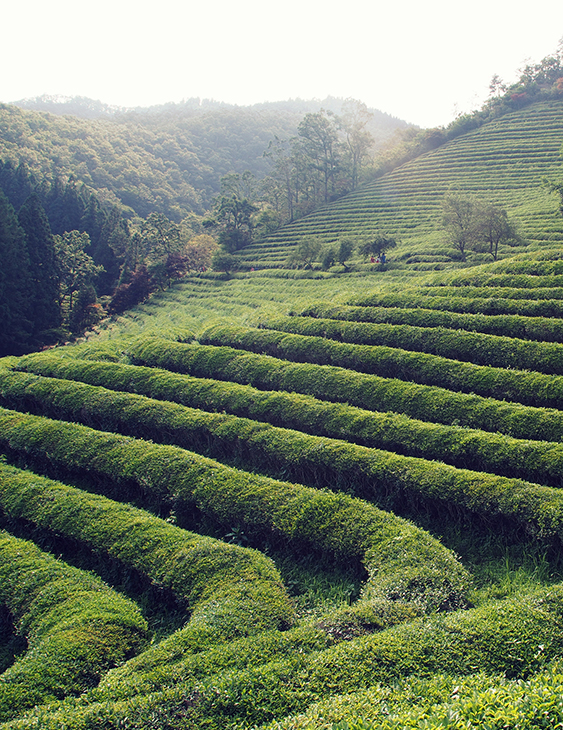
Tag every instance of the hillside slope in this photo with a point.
(336, 499)
(503, 162)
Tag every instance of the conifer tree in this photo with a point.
(15, 284)
(45, 310)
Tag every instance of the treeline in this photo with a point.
(68, 260)
(168, 160)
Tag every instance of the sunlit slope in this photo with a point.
(408, 438)
(503, 162)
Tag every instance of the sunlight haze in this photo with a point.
(422, 62)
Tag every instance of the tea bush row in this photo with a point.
(404, 563)
(516, 637)
(514, 281)
(76, 627)
(455, 302)
(536, 461)
(529, 388)
(259, 503)
(489, 292)
(543, 329)
(429, 403)
(474, 347)
(259, 446)
(458, 703)
(230, 590)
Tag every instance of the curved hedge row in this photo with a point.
(536, 461)
(269, 447)
(440, 702)
(528, 388)
(478, 348)
(456, 302)
(403, 562)
(429, 403)
(231, 591)
(489, 292)
(515, 637)
(76, 627)
(543, 329)
(513, 280)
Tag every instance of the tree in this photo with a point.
(223, 261)
(472, 224)
(461, 221)
(556, 187)
(321, 149)
(232, 217)
(159, 238)
(199, 252)
(76, 269)
(328, 257)
(376, 246)
(305, 253)
(44, 295)
(358, 140)
(15, 284)
(345, 251)
(133, 292)
(242, 186)
(495, 228)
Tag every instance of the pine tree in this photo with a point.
(15, 284)
(45, 310)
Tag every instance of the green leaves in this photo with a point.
(75, 626)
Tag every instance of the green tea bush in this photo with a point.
(461, 301)
(403, 562)
(481, 349)
(515, 638)
(75, 626)
(543, 329)
(206, 575)
(529, 388)
(478, 700)
(429, 403)
(489, 292)
(228, 437)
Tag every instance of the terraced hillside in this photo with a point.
(344, 513)
(303, 500)
(503, 162)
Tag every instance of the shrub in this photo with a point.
(404, 563)
(530, 388)
(76, 627)
(430, 403)
(205, 574)
(537, 461)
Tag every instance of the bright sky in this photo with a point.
(424, 61)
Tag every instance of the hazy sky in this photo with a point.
(421, 60)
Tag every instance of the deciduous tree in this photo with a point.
(377, 245)
(495, 228)
(305, 253)
(233, 218)
(461, 221)
(76, 269)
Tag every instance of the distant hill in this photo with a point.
(167, 159)
(504, 162)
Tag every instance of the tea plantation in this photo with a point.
(304, 500)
